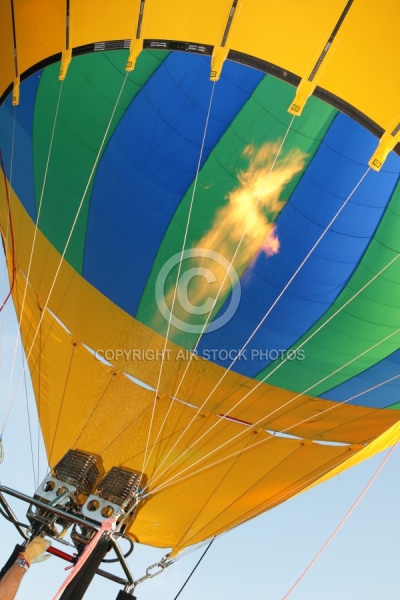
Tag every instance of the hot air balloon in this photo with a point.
(199, 215)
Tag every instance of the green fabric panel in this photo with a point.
(365, 322)
(89, 94)
(395, 406)
(264, 118)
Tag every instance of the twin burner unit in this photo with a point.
(78, 486)
(78, 496)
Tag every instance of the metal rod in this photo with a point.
(113, 577)
(12, 516)
(122, 560)
(48, 507)
(129, 581)
(101, 572)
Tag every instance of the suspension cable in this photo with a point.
(175, 395)
(214, 491)
(261, 508)
(101, 396)
(232, 261)
(67, 243)
(62, 400)
(145, 459)
(17, 338)
(253, 485)
(28, 413)
(170, 482)
(263, 419)
(11, 235)
(194, 568)
(342, 522)
(8, 227)
(260, 323)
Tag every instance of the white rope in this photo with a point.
(262, 421)
(6, 235)
(372, 388)
(259, 325)
(190, 527)
(4, 294)
(293, 490)
(175, 395)
(145, 459)
(13, 145)
(257, 511)
(67, 244)
(324, 324)
(35, 477)
(179, 477)
(4, 275)
(17, 337)
(232, 262)
(6, 243)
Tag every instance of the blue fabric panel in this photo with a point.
(148, 166)
(382, 397)
(332, 174)
(22, 169)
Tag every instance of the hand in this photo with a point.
(35, 550)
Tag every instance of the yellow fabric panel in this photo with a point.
(360, 66)
(7, 71)
(383, 442)
(40, 30)
(286, 466)
(364, 64)
(312, 418)
(206, 480)
(104, 21)
(206, 474)
(200, 21)
(288, 34)
(101, 325)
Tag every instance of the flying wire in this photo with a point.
(194, 568)
(171, 482)
(28, 413)
(262, 507)
(67, 243)
(7, 231)
(232, 262)
(264, 418)
(62, 399)
(17, 337)
(214, 491)
(216, 300)
(342, 522)
(11, 235)
(280, 463)
(145, 459)
(103, 393)
(267, 313)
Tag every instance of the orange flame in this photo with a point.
(254, 205)
(247, 219)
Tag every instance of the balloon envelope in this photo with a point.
(207, 286)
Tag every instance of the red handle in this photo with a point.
(61, 554)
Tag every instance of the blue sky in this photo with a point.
(260, 559)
